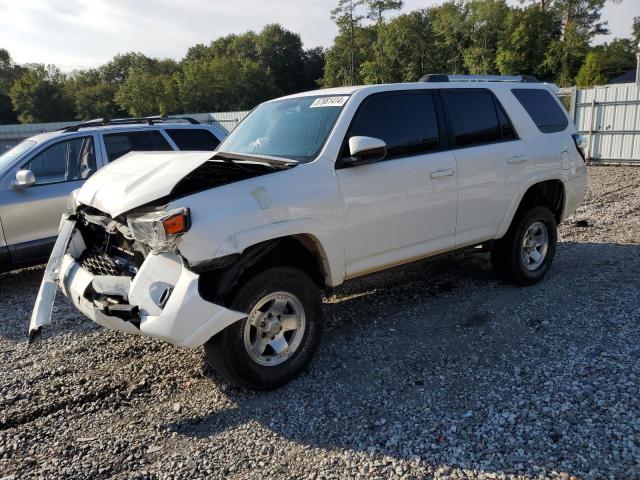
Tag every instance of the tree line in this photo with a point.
(550, 39)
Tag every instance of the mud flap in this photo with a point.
(43, 307)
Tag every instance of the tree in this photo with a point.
(38, 95)
(117, 70)
(405, 50)
(484, 23)
(346, 16)
(376, 8)
(528, 34)
(636, 31)
(281, 52)
(223, 84)
(313, 68)
(449, 28)
(92, 96)
(140, 93)
(9, 71)
(605, 62)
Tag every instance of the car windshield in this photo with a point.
(294, 128)
(9, 156)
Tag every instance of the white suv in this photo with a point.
(232, 250)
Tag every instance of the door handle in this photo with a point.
(517, 159)
(442, 173)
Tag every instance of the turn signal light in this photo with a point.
(176, 224)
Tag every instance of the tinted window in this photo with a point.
(119, 144)
(543, 109)
(473, 118)
(193, 139)
(65, 161)
(508, 133)
(407, 122)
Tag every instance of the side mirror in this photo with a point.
(366, 150)
(24, 179)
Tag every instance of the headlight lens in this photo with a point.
(160, 230)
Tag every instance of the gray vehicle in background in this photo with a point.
(37, 175)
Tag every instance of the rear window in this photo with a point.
(193, 139)
(543, 109)
(119, 144)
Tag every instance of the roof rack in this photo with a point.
(441, 77)
(103, 122)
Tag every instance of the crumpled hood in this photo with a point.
(137, 179)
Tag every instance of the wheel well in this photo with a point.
(548, 194)
(303, 252)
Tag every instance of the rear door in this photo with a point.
(403, 207)
(491, 161)
(31, 216)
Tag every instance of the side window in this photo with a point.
(66, 161)
(193, 139)
(473, 118)
(119, 144)
(508, 133)
(407, 122)
(543, 109)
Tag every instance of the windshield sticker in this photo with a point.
(330, 101)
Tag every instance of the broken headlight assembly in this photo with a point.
(159, 229)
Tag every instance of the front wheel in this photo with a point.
(279, 336)
(525, 253)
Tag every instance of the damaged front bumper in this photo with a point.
(161, 301)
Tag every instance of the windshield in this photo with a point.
(9, 156)
(294, 128)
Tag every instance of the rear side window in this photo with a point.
(474, 118)
(407, 122)
(193, 139)
(119, 144)
(543, 109)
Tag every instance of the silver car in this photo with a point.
(37, 175)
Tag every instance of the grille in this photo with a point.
(99, 263)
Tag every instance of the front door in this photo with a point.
(404, 207)
(31, 216)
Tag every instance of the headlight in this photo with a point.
(159, 230)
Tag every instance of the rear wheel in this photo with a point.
(279, 336)
(525, 253)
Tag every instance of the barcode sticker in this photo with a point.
(337, 101)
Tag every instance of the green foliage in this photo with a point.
(38, 94)
(636, 31)
(606, 61)
(527, 37)
(223, 84)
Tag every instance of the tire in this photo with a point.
(509, 255)
(234, 352)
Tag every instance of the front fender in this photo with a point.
(328, 245)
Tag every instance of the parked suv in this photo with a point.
(232, 250)
(37, 175)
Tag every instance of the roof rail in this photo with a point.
(441, 77)
(103, 122)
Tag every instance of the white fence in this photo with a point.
(12, 134)
(610, 117)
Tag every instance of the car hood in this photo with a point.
(139, 178)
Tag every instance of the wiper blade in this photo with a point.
(245, 157)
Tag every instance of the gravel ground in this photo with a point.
(434, 370)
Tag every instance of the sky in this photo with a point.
(86, 33)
